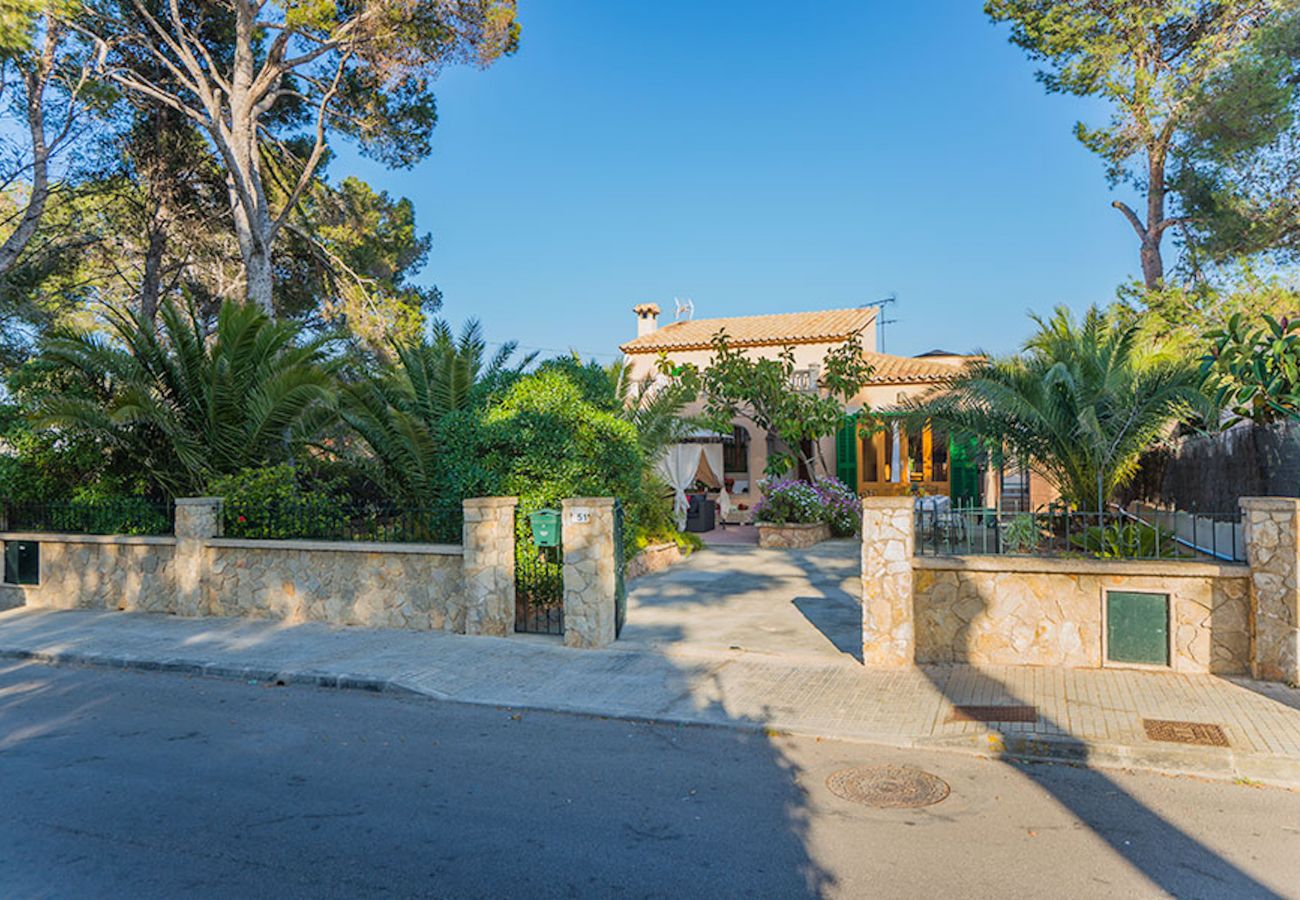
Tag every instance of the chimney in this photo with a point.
(647, 318)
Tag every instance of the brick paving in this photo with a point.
(1088, 714)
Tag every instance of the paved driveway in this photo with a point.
(790, 602)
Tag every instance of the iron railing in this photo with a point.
(326, 519)
(121, 515)
(1138, 533)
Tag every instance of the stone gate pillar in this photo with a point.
(589, 571)
(1272, 531)
(197, 519)
(489, 566)
(888, 632)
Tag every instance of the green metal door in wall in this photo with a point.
(846, 452)
(1137, 628)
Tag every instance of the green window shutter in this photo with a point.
(965, 487)
(846, 452)
(1137, 628)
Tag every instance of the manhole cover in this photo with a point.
(888, 787)
(1174, 732)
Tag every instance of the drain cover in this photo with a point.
(888, 787)
(993, 714)
(1174, 732)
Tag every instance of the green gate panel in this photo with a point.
(1137, 628)
(846, 452)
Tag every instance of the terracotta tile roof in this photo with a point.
(910, 369)
(826, 326)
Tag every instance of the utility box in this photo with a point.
(22, 562)
(546, 527)
(1137, 628)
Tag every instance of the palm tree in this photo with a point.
(657, 410)
(1080, 404)
(399, 412)
(187, 406)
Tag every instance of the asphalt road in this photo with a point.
(136, 784)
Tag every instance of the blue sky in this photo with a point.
(760, 157)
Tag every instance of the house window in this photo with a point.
(735, 451)
(938, 456)
(22, 563)
(896, 459)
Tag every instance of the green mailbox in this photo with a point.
(546, 527)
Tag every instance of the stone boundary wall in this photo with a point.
(196, 572)
(654, 558)
(1225, 618)
(416, 586)
(80, 571)
(1003, 610)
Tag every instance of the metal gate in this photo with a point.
(539, 580)
(620, 564)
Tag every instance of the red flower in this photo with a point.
(242, 519)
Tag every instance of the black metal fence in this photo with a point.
(539, 579)
(123, 515)
(326, 519)
(1145, 533)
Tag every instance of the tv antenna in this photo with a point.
(881, 322)
(685, 309)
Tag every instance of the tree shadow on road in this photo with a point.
(1171, 859)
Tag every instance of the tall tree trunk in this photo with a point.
(35, 82)
(151, 284)
(1152, 231)
(260, 279)
(1153, 266)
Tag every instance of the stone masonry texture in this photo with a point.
(1272, 527)
(489, 566)
(589, 571)
(1049, 612)
(197, 573)
(91, 572)
(792, 537)
(888, 633)
(302, 581)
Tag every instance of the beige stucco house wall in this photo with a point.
(810, 335)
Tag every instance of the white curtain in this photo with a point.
(679, 466)
(713, 459)
(896, 470)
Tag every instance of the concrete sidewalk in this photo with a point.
(1082, 715)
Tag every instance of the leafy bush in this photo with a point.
(1022, 534)
(789, 502)
(545, 443)
(269, 503)
(1256, 366)
(1128, 540)
(794, 502)
(841, 506)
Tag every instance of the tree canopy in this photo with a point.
(1150, 61)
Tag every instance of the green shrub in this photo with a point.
(543, 442)
(270, 503)
(1128, 540)
(1022, 534)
